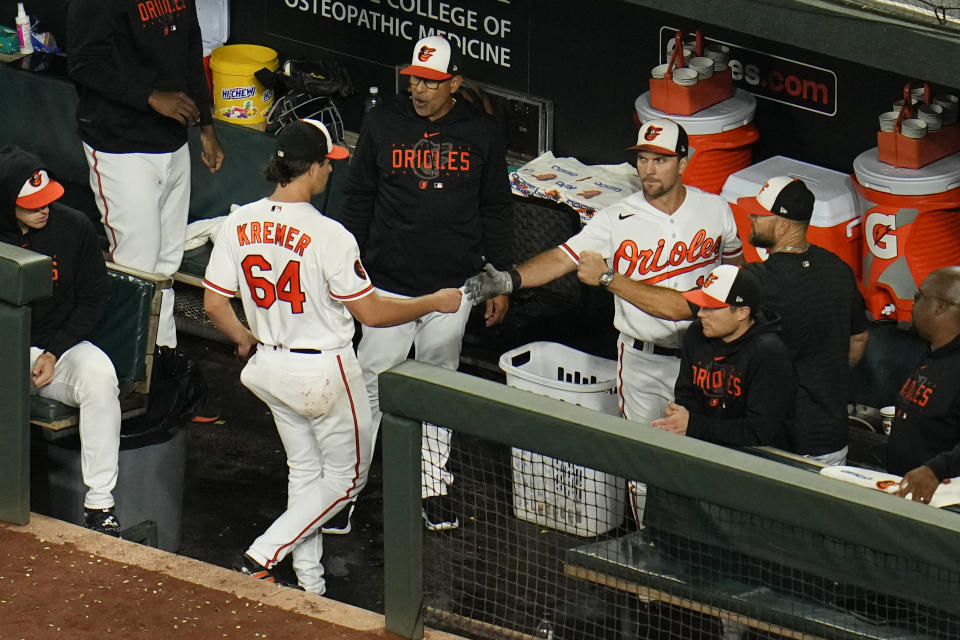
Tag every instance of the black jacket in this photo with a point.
(427, 201)
(118, 53)
(69, 238)
(738, 393)
(926, 429)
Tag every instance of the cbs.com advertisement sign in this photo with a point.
(776, 78)
(491, 35)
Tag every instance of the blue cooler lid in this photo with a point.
(732, 113)
(937, 177)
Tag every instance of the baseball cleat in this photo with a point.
(250, 567)
(102, 520)
(438, 514)
(339, 525)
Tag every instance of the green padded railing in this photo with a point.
(415, 392)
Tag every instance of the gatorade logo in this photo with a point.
(425, 53)
(652, 133)
(36, 179)
(880, 240)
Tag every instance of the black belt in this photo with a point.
(276, 348)
(657, 349)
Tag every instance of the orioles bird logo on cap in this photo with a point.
(710, 280)
(425, 53)
(36, 179)
(652, 133)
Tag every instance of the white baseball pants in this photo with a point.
(144, 199)
(319, 405)
(436, 339)
(646, 382)
(84, 377)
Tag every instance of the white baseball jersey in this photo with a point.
(294, 267)
(669, 250)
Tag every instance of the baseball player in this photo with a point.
(140, 80)
(301, 282)
(65, 366)
(427, 197)
(670, 235)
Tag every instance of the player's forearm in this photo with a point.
(659, 302)
(545, 267)
(218, 309)
(380, 311)
(858, 345)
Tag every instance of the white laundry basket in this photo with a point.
(551, 492)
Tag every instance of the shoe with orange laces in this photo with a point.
(250, 567)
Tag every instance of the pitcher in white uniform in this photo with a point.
(301, 282)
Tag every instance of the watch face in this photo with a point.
(606, 278)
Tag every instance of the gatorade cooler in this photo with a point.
(835, 224)
(721, 138)
(911, 224)
(237, 96)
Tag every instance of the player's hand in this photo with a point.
(448, 300)
(247, 346)
(496, 310)
(42, 373)
(921, 482)
(487, 284)
(676, 420)
(212, 155)
(591, 267)
(176, 105)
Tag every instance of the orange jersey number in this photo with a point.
(264, 293)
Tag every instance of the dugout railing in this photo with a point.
(735, 545)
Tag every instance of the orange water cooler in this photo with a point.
(721, 138)
(835, 224)
(911, 226)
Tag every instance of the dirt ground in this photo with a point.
(57, 578)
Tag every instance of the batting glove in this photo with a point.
(489, 283)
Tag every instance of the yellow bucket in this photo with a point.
(237, 96)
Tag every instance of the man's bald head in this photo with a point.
(936, 308)
(944, 283)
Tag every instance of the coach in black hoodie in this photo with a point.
(64, 366)
(427, 199)
(736, 385)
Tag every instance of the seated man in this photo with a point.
(736, 384)
(64, 365)
(925, 437)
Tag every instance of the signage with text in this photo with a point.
(776, 78)
(490, 34)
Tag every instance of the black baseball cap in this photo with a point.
(727, 285)
(308, 140)
(782, 196)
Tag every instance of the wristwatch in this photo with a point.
(606, 278)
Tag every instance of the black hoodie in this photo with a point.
(118, 53)
(426, 200)
(738, 393)
(69, 238)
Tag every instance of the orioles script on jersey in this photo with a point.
(270, 232)
(651, 262)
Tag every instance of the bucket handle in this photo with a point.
(906, 109)
(677, 56)
(853, 224)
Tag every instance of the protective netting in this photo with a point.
(944, 14)
(695, 569)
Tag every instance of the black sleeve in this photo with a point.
(360, 189)
(93, 32)
(770, 385)
(90, 294)
(496, 206)
(946, 464)
(684, 392)
(197, 87)
(858, 309)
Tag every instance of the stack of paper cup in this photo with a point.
(899, 103)
(659, 71)
(720, 54)
(932, 114)
(948, 103)
(688, 48)
(916, 94)
(685, 77)
(703, 66)
(913, 128)
(888, 119)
